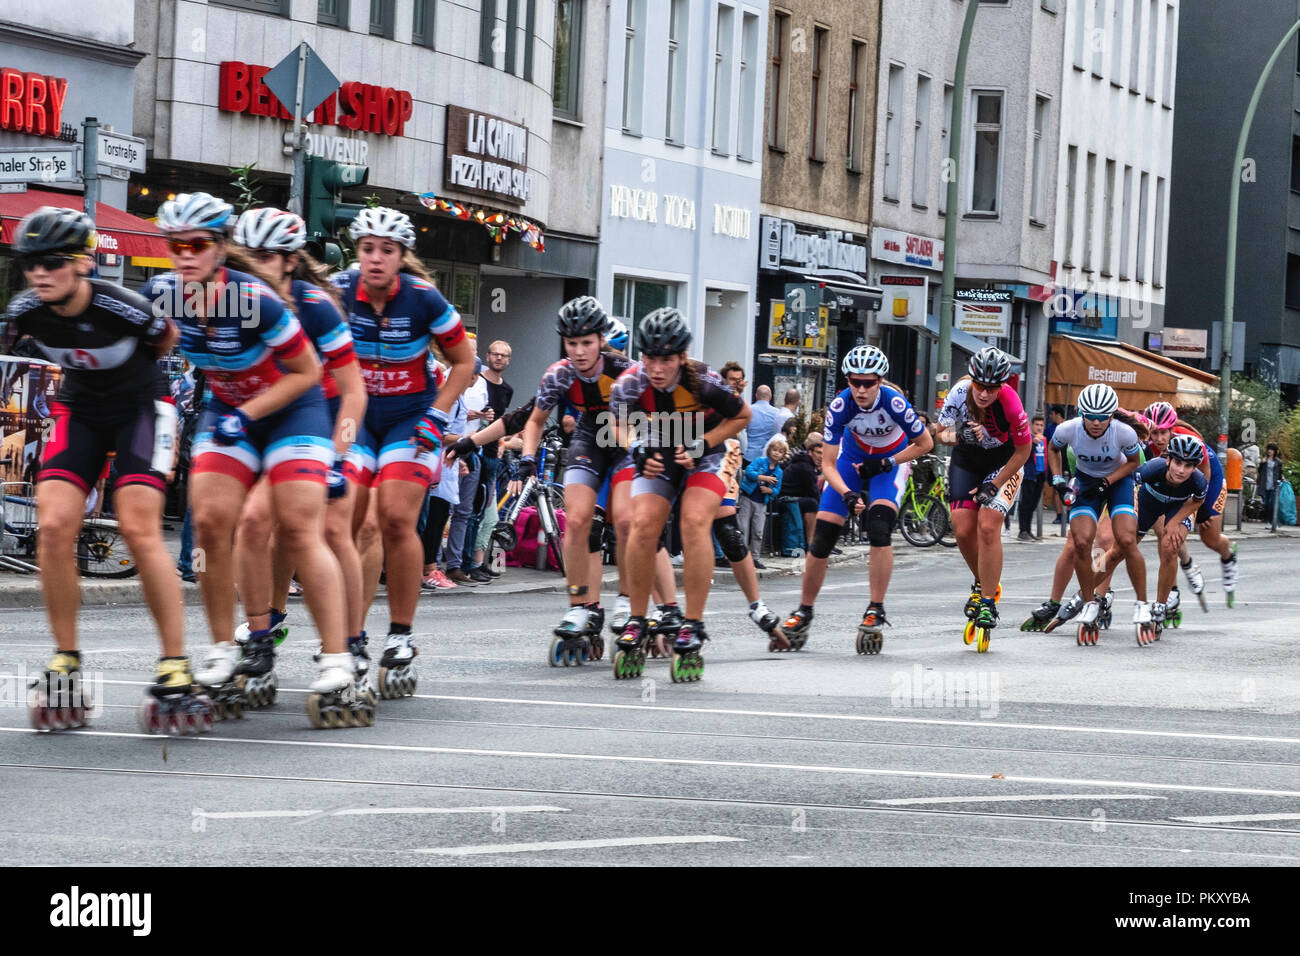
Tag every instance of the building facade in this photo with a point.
(681, 173)
(1006, 177)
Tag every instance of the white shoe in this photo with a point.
(333, 673)
(1141, 612)
(1089, 612)
(218, 665)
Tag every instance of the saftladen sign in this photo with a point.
(983, 311)
(356, 106)
(487, 156)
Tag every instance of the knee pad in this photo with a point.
(730, 538)
(596, 538)
(880, 525)
(825, 534)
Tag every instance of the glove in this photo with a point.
(462, 449)
(428, 431)
(526, 467)
(232, 428)
(986, 493)
(875, 466)
(1103, 487)
(336, 486)
(851, 500)
(966, 435)
(1059, 482)
(640, 455)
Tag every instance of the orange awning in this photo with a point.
(1139, 377)
(119, 231)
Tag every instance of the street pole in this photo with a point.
(90, 164)
(944, 376)
(297, 183)
(1230, 278)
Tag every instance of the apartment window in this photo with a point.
(1097, 36)
(853, 146)
(1153, 34)
(944, 147)
(1108, 220)
(1071, 191)
(332, 13)
(422, 22)
(381, 18)
(1141, 272)
(921, 143)
(817, 126)
(722, 47)
(1089, 204)
(674, 112)
(530, 34)
(1158, 237)
(1049, 5)
(1171, 32)
(748, 85)
(568, 57)
(633, 64)
(893, 122)
(1292, 284)
(512, 35)
(1080, 27)
(1135, 46)
(1295, 164)
(634, 299)
(1116, 43)
(1036, 168)
(1126, 226)
(487, 26)
(277, 8)
(986, 140)
(777, 79)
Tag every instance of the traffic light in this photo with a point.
(324, 213)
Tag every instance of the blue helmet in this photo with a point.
(617, 335)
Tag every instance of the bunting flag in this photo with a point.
(497, 224)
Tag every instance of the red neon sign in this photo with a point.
(358, 106)
(32, 102)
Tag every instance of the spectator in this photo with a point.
(459, 552)
(788, 430)
(802, 482)
(1270, 479)
(443, 497)
(1250, 463)
(760, 484)
(766, 420)
(791, 402)
(1056, 415)
(500, 395)
(1033, 474)
(734, 375)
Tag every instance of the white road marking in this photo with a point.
(1240, 818)
(366, 811)
(909, 802)
(680, 762)
(574, 845)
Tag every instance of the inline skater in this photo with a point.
(396, 316)
(275, 239)
(267, 415)
(984, 418)
(680, 398)
(868, 471)
(1107, 452)
(113, 398)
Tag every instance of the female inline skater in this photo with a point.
(866, 472)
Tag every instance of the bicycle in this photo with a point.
(101, 550)
(923, 518)
(504, 536)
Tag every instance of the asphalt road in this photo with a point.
(1186, 752)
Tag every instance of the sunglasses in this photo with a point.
(1096, 418)
(985, 388)
(50, 263)
(863, 382)
(195, 246)
(264, 255)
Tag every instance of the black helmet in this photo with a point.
(663, 332)
(990, 366)
(582, 316)
(54, 229)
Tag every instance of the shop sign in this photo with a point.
(983, 311)
(487, 155)
(906, 299)
(32, 103)
(782, 245)
(731, 221)
(355, 106)
(1185, 343)
(627, 202)
(891, 245)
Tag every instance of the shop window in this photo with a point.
(634, 299)
(568, 58)
(422, 23)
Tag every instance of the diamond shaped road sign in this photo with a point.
(317, 84)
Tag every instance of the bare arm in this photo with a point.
(352, 405)
(301, 373)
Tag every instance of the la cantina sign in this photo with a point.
(357, 106)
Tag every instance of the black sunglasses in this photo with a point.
(48, 262)
(863, 382)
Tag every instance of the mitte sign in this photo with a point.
(356, 106)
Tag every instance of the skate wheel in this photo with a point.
(861, 644)
(313, 711)
(677, 669)
(620, 664)
(982, 636)
(968, 633)
(555, 657)
(597, 648)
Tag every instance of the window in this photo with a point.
(1049, 5)
(1135, 46)
(1108, 221)
(748, 85)
(1153, 34)
(921, 143)
(277, 8)
(893, 122)
(944, 147)
(530, 32)
(381, 18)
(332, 13)
(1116, 43)
(777, 81)
(1071, 191)
(1126, 226)
(512, 35)
(1036, 184)
(459, 286)
(1292, 286)
(1097, 36)
(1171, 31)
(987, 130)
(1089, 196)
(633, 64)
(817, 126)
(674, 112)
(1158, 237)
(1295, 164)
(634, 299)
(487, 27)
(568, 57)
(1143, 193)
(853, 146)
(422, 23)
(1080, 27)
(722, 47)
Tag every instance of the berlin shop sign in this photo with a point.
(487, 155)
(356, 106)
(32, 103)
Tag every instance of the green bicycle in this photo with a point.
(923, 516)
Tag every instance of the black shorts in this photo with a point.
(590, 463)
(77, 450)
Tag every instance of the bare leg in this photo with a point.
(139, 515)
(59, 509)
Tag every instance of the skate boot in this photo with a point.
(217, 678)
(979, 631)
(1066, 611)
(629, 658)
(1173, 608)
(255, 673)
(973, 602)
(172, 705)
(687, 664)
(1144, 624)
(595, 625)
(397, 677)
(769, 624)
(571, 646)
(1089, 630)
(622, 611)
(279, 629)
(665, 629)
(360, 666)
(333, 700)
(1041, 615)
(1104, 617)
(60, 699)
(870, 637)
(1229, 570)
(795, 628)
(1158, 617)
(1195, 581)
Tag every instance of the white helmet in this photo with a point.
(273, 229)
(865, 360)
(384, 223)
(195, 211)
(1098, 400)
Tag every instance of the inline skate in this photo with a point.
(969, 633)
(171, 706)
(59, 698)
(979, 630)
(1065, 612)
(1040, 617)
(795, 627)
(1173, 608)
(361, 666)
(572, 643)
(397, 677)
(218, 680)
(1229, 570)
(1144, 624)
(687, 664)
(770, 625)
(665, 627)
(1195, 581)
(255, 672)
(1158, 618)
(279, 629)
(629, 658)
(870, 636)
(1104, 618)
(333, 701)
(622, 611)
(973, 602)
(1089, 630)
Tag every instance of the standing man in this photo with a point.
(734, 375)
(499, 397)
(1270, 479)
(460, 543)
(766, 421)
(1034, 472)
